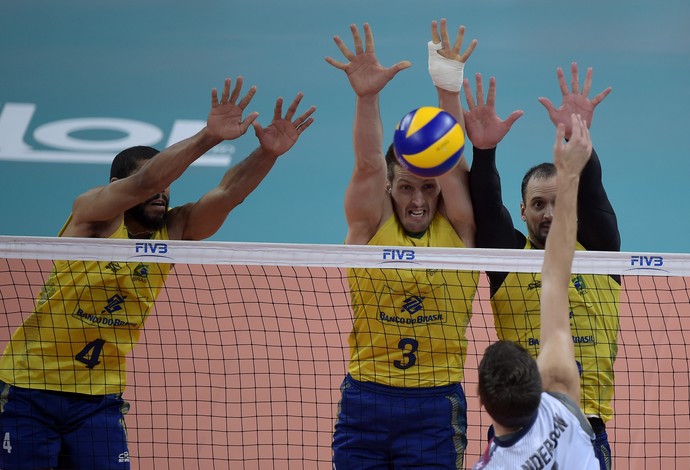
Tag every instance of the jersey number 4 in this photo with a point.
(90, 354)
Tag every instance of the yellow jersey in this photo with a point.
(594, 311)
(88, 317)
(409, 324)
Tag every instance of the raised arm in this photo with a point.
(366, 203)
(446, 65)
(98, 211)
(597, 222)
(200, 220)
(485, 130)
(557, 355)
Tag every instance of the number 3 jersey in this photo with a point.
(409, 324)
(88, 317)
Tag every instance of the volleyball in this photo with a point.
(428, 142)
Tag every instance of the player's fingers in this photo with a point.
(445, 40)
(226, 90)
(561, 81)
(293, 106)
(435, 38)
(574, 79)
(343, 48)
(214, 97)
(560, 136)
(576, 128)
(491, 96)
(479, 87)
(469, 99)
(278, 109)
(547, 104)
(514, 116)
(459, 38)
(244, 125)
(235, 91)
(356, 38)
(369, 38)
(336, 64)
(600, 97)
(302, 127)
(468, 52)
(247, 98)
(395, 68)
(300, 121)
(586, 134)
(588, 82)
(258, 130)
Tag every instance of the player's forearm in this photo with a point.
(458, 205)
(598, 224)
(450, 102)
(495, 227)
(368, 134)
(167, 166)
(557, 268)
(560, 244)
(243, 178)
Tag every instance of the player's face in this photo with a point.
(415, 199)
(151, 214)
(537, 208)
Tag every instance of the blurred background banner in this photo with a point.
(81, 80)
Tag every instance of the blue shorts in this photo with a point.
(602, 448)
(382, 427)
(46, 429)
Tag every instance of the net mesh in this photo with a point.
(240, 362)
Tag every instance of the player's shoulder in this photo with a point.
(74, 227)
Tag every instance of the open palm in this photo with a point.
(367, 76)
(279, 136)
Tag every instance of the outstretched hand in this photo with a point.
(446, 64)
(225, 118)
(574, 100)
(367, 76)
(279, 136)
(483, 126)
(447, 50)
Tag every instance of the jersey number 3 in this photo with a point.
(409, 357)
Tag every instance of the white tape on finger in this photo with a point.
(445, 73)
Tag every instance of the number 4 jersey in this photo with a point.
(88, 317)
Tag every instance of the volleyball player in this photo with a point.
(402, 404)
(594, 299)
(63, 371)
(534, 405)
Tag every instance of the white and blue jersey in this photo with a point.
(559, 438)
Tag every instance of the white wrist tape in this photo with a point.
(445, 73)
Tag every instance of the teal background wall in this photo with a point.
(154, 63)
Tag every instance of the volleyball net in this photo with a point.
(241, 359)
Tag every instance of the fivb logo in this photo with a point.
(151, 248)
(651, 262)
(148, 250)
(65, 147)
(391, 254)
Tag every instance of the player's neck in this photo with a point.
(136, 232)
(501, 431)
